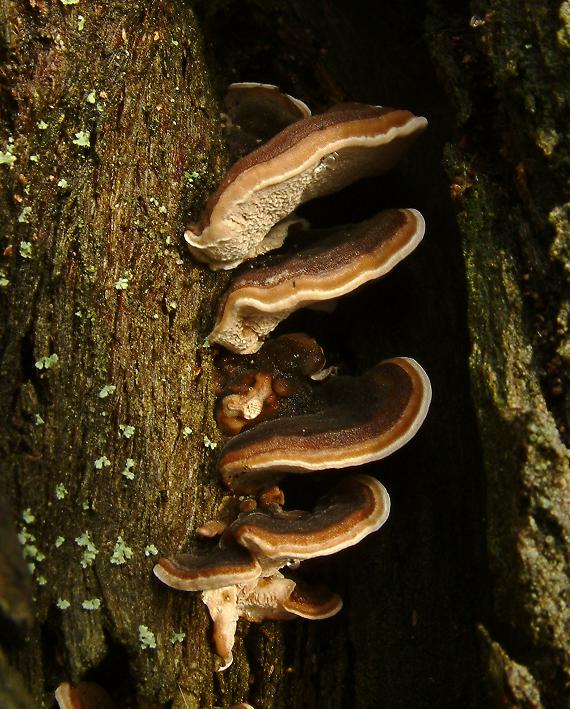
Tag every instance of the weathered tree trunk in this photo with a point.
(110, 142)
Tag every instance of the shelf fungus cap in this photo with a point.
(221, 567)
(356, 507)
(258, 300)
(351, 421)
(312, 602)
(254, 113)
(312, 157)
(85, 695)
(262, 109)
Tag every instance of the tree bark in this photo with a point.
(110, 132)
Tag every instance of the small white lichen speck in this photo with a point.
(90, 551)
(150, 550)
(121, 283)
(126, 430)
(146, 638)
(24, 218)
(60, 491)
(209, 443)
(121, 553)
(106, 390)
(82, 138)
(28, 517)
(47, 362)
(91, 604)
(6, 157)
(102, 461)
(25, 249)
(63, 604)
(186, 431)
(128, 469)
(25, 537)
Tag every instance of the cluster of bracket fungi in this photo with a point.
(282, 410)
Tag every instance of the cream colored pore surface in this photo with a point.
(263, 195)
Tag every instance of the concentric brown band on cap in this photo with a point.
(357, 420)
(356, 507)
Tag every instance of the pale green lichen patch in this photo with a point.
(126, 430)
(25, 537)
(106, 390)
(90, 551)
(38, 421)
(82, 139)
(24, 218)
(150, 550)
(121, 283)
(47, 362)
(63, 604)
(186, 431)
(146, 638)
(42, 125)
(128, 469)
(59, 541)
(30, 551)
(4, 280)
(91, 97)
(41, 580)
(60, 491)
(63, 183)
(177, 637)
(80, 23)
(25, 246)
(91, 604)
(34, 158)
(121, 553)
(28, 516)
(208, 443)
(7, 156)
(101, 462)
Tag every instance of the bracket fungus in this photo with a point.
(312, 157)
(258, 300)
(349, 421)
(256, 112)
(282, 409)
(85, 695)
(241, 577)
(355, 508)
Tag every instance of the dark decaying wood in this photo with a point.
(110, 140)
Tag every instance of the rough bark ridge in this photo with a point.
(510, 170)
(107, 120)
